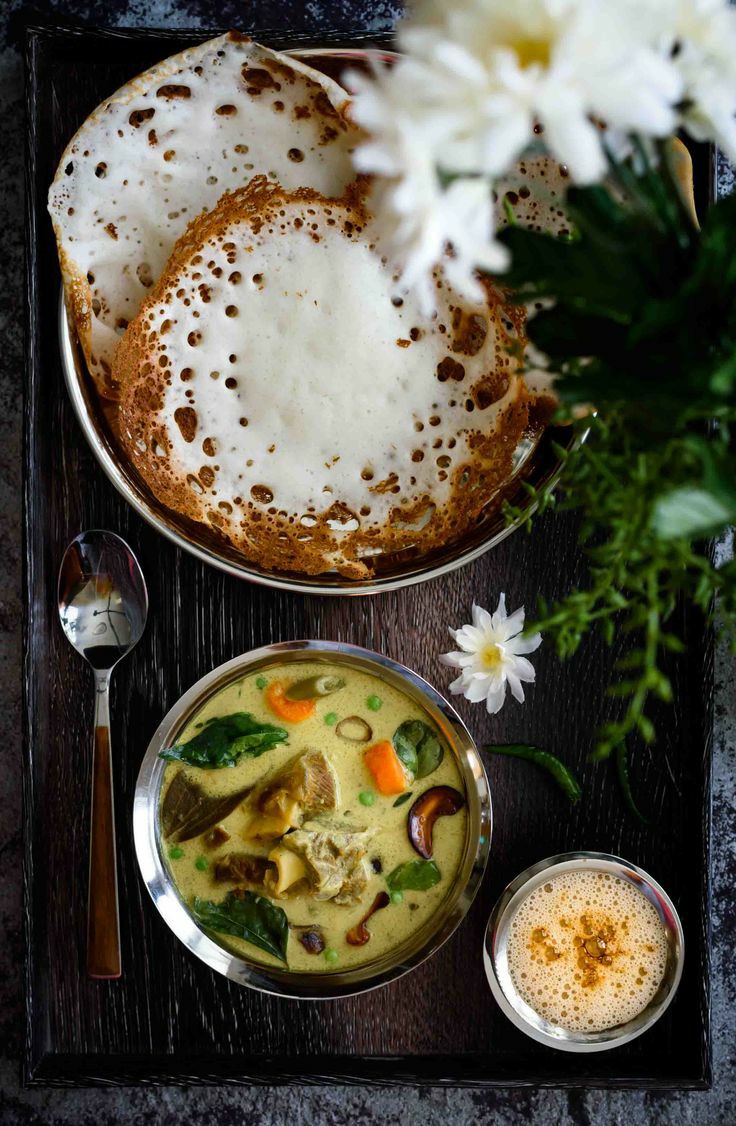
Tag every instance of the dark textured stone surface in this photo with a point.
(220, 1105)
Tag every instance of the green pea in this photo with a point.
(331, 955)
(331, 719)
(176, 853)
(261, 682)
(366, 797)
(397, 897)
(201, 863)
(375, 703)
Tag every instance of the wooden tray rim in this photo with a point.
(48, 1069)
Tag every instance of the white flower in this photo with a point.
(702, 46)
(420, 218)
(482, 81)
(491, 656)
(476, 81)
(502, 68)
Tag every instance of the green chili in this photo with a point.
(622, 769)
(562, 775)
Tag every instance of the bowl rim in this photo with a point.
(326, 985)
(527, 1019)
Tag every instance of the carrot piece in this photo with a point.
(385, 766)
(292, 711)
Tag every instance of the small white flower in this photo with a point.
(491, 656)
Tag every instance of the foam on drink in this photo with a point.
(586, 950)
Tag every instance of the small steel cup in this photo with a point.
(495, 953)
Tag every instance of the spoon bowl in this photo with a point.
(103, 605)
(103, 601)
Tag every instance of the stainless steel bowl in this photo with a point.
(327, 984)
(537, 458)
(495, 955)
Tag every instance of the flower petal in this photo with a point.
(515, 685)
(499, 614)
(520, 644)
(481, 620)
(523, 669)
(513, 624)
(479, 690)
(457, 687)
(495, 699)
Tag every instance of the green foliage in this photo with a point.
(637, 317)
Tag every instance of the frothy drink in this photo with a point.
(587, 951)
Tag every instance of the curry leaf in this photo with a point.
(248, 916)
(414, 875)
(223, 740)
(419, 747)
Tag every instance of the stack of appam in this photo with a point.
(222, 274)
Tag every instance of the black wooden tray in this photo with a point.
(170, 1019)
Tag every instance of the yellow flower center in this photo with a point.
(531, 51)
(491, 657)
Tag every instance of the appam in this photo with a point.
(162, 150)
(275, 390)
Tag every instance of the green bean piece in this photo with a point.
(313, 686)
(562, 774)
(622, 770)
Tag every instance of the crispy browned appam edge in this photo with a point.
(270, 538)
(77, 290)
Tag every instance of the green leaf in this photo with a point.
(414, 875)
(419, 747)
(248, 916)
(223, 740)
(402, 799)
(690, 512)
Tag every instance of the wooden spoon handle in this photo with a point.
(103, 924)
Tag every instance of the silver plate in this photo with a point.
(328, 984)
(539, 462)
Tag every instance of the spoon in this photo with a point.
(103, 605)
